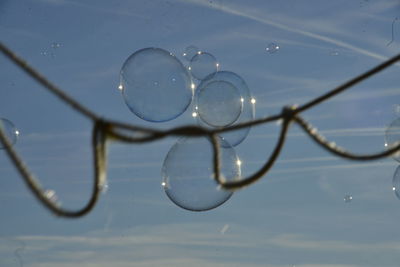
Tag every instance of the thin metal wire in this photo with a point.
(104, 130)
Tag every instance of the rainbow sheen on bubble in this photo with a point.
(155, 85)
(188, 178)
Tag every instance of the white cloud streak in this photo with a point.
(255, 15)
(191, 244)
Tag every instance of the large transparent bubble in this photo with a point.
(239, 102)
(392, 135)
(155, 85)
(188, 178)
(9, 130)
(218, 103)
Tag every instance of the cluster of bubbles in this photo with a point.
(158, 87)
(51, 53)
(9, 130)
(392, 137)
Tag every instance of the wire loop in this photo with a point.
(104, 130)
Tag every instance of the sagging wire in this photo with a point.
(106, 130)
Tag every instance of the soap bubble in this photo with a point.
(155, 85)
(272, 48)
(396, 182)
(55, 45)
(190, 52)
(188, 178)
(396, 110)
(9, 130)
(202, 65)
(334, 53)
(347, 198)
(218, 103)
(247, 105)
(392, 135)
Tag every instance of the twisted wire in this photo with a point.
(105, 130)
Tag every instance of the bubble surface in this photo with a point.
(272, 48)
(218, 103)
(202, 65)
(55, 45)
(396, 182)
(155, 85)
(396, 110)
(10, 131)
(247, 103)
(392, 135)
(188, 178)
(190, 52)
(347, 198)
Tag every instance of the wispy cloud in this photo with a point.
(97, 8)
(302, 242)
(255, 14)
(190, 244)
(334, 167)
(350, 96)
(347, 132)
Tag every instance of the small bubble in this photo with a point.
(272, 48)
(396, 182)
(392, 137)
(43, 53)
(202, 65)
(190, 52)
(9, 131)
(347, 198)
(120, 87)
(334, 53)
(55, 45)
(396, 109)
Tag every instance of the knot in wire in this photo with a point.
(289, 113)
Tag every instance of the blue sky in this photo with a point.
(295, 216)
